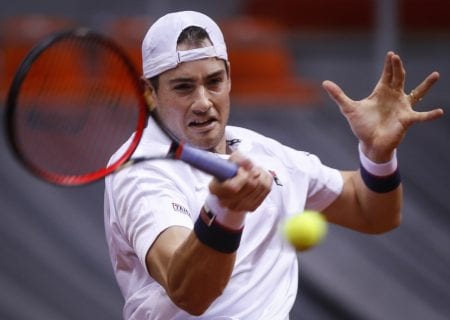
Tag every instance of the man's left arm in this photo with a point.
(371, 199)
(359, 208)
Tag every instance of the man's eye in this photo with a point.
(183, 87)
(216, 81)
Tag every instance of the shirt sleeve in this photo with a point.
(324, 184)
(147, 201)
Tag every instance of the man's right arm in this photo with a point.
(193, 272)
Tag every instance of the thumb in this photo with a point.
(241, 160)
(336, 93)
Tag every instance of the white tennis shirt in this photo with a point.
(143, 200)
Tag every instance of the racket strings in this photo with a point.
(119, 100)
(78, 101)
(41, 105)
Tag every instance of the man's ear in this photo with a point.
(229, 75)
(228, 68)
(148, 93)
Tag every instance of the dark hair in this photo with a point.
(193, 35)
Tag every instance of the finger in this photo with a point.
(263, 188)
(259, 198)
(256, 200)
(258, 185)
(386, 76)
(336, 93)
(398, 73)
(421, 90)
(248, 201)
(229, 187)
(428, 115)
(246, 180)
(242, 201)
(241, 160)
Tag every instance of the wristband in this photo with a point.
(214, 235)
(379, 177)
(378, 169)
(231, 220)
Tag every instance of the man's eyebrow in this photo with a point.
(191, 79)
(181, 79)
(216, 74)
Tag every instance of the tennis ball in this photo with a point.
(305, 230)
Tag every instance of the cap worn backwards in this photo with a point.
(159, 48)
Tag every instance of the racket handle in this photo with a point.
(207, 162)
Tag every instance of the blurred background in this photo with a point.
(54, 262)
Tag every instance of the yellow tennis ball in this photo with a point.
(305, 230)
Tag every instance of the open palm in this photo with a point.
(381, 120)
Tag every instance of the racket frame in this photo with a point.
(197, 158)
(14, 92)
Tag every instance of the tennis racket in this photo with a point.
(74, 101)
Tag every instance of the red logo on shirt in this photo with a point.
(275, 178)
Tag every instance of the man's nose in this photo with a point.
(202, 101)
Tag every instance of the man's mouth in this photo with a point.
(201, 123)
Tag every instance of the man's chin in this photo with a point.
(208, 144)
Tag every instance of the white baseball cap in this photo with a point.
(159, 48)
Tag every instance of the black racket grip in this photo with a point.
(205, 161)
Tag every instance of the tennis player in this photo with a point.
(186, 246)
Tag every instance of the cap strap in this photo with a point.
(196, 54)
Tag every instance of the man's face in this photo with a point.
(193, 102)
